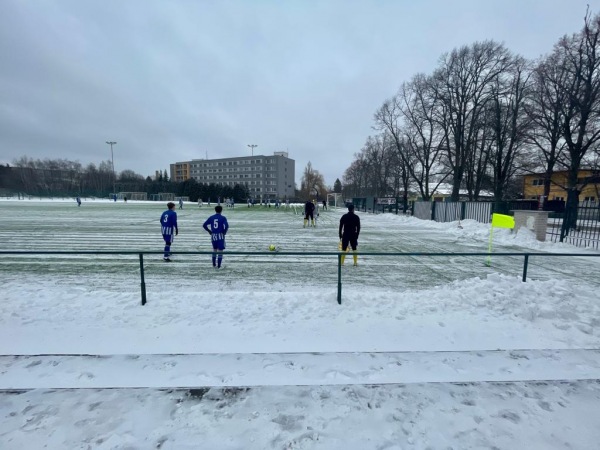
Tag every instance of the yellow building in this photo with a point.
(180, 171)
(533, 186)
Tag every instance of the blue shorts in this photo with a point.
(168, 238)
(218, 241)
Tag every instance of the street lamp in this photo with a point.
(252, 147)
(112, 158)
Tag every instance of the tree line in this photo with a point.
(61, 177)
(485, 117)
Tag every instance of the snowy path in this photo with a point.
(299, 369)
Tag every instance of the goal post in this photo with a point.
(336, 198)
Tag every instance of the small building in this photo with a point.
(588, 180)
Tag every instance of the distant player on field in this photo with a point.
(168, 222)
(349, 231)
(309, 211)
(217, 227)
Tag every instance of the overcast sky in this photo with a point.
(177, 80)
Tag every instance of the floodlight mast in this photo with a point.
(112, 158)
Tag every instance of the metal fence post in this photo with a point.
(143, 284)
(339, 291)
(525, 268)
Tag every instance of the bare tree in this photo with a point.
(312, 183)
(462, 85)
(355, 177)
(545, 111)
(377, 153)
(400, 176)
(422, 137)
(508, 122)
(477, 167)
(580, 54)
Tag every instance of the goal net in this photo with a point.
(133, 195)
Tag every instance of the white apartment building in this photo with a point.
(267, 177)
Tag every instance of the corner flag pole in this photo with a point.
(498, 221)
(488, 261)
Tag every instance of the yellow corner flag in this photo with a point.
(503, 221)
(498, 221)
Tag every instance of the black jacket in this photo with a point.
(350, 225)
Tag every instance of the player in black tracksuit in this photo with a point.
(309, 212)
(349, 231)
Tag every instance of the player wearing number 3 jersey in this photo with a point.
(217, 227)
(168, 225)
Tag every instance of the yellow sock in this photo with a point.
(305, 222)
(313, 222)
(355, 257)
(343, 258)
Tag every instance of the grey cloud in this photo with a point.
(176, 80)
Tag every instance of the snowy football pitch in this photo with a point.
(106, 226)
(424, 352)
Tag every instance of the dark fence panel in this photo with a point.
(554, 206)
(507, 207)
(586, 232)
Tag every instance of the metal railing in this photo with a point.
(585, 225)
(525, 255)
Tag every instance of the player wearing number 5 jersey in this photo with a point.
(168, 223)
(217, 227)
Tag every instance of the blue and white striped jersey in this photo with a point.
(168, 222)
(217, 225)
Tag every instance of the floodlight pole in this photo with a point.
(252, 146)
(112, 158)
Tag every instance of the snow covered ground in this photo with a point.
(424, 352)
